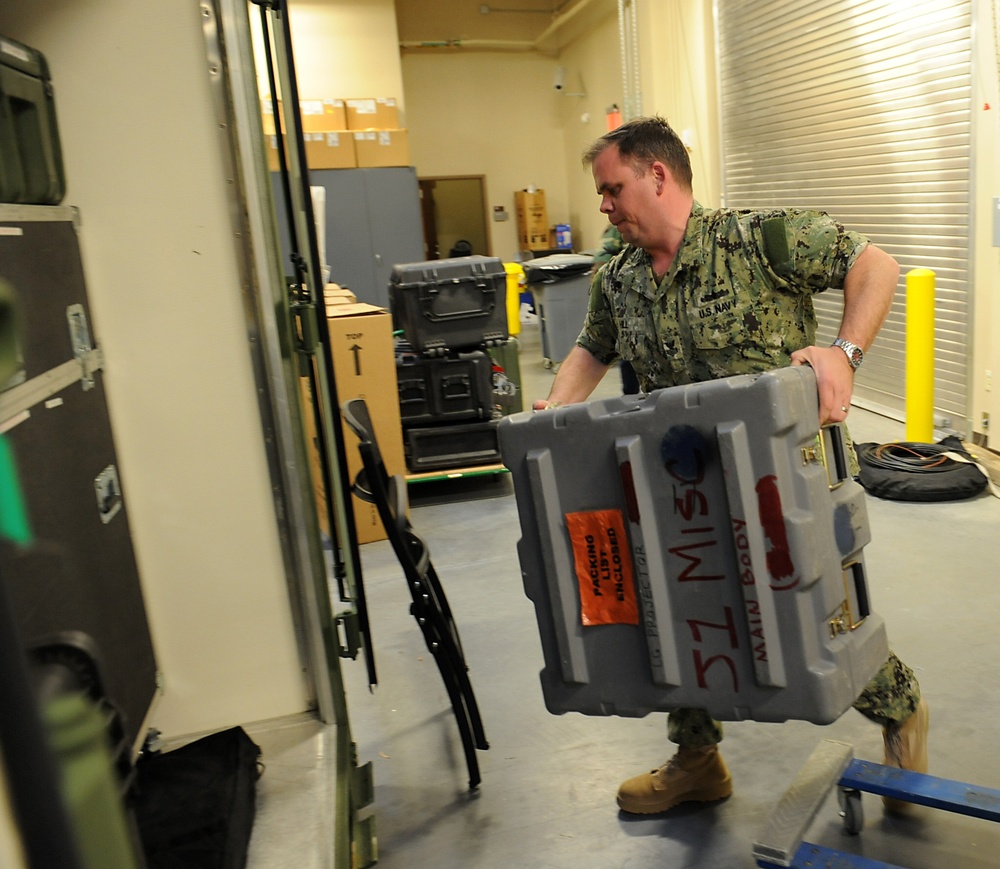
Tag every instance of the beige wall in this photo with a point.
(494, 114)
(342, 50)
(143, 158)
(679, 83)
(985, 317)
(454, 101)
(593, 61)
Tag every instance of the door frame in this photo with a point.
(427, 184)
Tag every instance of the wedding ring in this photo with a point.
(843, 409)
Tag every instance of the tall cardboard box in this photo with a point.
(532, 219)
(364, 366)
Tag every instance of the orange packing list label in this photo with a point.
(603, 568)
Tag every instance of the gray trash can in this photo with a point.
(560, 284)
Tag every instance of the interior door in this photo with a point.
(454, 210)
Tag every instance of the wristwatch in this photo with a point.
(854, 353)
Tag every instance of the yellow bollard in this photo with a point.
(515, 283)
(920, 356)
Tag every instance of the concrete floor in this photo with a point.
(547, 796)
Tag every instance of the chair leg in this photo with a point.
(437, 644)
(450, 656)
(443, 607)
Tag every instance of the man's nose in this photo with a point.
(606, 205)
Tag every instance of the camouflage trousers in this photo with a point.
(891, 697)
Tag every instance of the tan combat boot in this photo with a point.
(906, 748)
(693, 774)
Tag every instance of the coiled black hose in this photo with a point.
(909, 456)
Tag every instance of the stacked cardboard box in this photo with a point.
(372, 113)
(344, 134)
(378, 139)
(317, 116)
(328, 142)
(333, 149)
(532, 219)
(379, 148)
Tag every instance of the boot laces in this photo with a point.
(664, 771)
(676, 762)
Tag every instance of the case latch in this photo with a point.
(86, 354)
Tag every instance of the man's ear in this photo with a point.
(660, 174)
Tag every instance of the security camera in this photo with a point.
(560, 80)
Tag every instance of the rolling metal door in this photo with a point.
(864, 111)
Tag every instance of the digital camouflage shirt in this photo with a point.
(736, 300)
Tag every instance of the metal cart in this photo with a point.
(780, 844)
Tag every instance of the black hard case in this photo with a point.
(77, 579)
(454, 388)
(460, 445)
(450, 304)
(31, 166)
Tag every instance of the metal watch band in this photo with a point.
(855, 355)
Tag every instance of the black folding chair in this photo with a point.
(429, 605)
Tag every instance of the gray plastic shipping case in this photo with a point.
(700, 546)
(450, 304)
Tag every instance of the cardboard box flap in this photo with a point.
(353, 309)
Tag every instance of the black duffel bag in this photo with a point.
(194, 806)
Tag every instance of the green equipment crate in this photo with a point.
(507, 395)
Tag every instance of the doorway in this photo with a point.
(453, 209)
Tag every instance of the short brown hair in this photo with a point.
(640, 142)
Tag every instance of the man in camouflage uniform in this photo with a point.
(697, 294)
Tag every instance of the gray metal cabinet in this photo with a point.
(372, 223)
